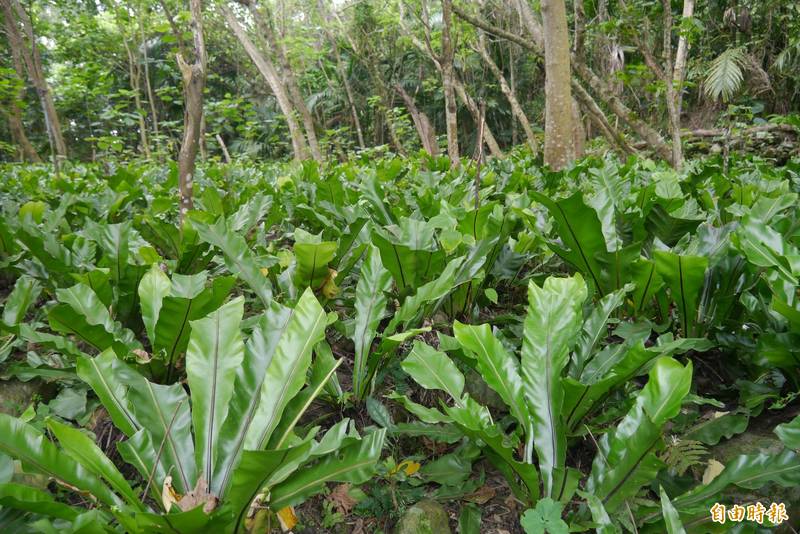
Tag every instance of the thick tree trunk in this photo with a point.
(270, 74)
(15, 124)
(448, 81)
(194, 79)
(423, 125)
(508, 92)
(265, 26)
(559, 147)
(14, 12)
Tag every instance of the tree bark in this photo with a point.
(342, 72)
(14, 12)
(15, 124)
(423, 125)
(194, 79)
(508, 92)
(265, 26)
(559, 147)
(448, 81)
(270, 74)
(151, 98)
(134, 73)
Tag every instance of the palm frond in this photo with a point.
(725, 75)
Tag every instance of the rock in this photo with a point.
(425, 517)
(15, 396)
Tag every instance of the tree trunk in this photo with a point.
(194, 79)
(342, 72)
(270, 74)
(559, 148)
(264, 23)
(134, 73)
(14, 12)
(423, 125)
(508, 92)
(674, 77)
(15, 124)
(148, 85)
(448, 81)
(488, 137)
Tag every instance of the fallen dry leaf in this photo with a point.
(168, 494)
(199, 495)
(340, 498)
(712, 471)
(482, 495)
(287, 518)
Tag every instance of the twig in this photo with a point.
(160, 450)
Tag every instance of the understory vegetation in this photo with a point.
(576, 344)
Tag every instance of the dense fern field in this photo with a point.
(614, 347)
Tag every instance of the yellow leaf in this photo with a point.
(412, 467)
(264, 271)
(287, 518)
(168, 494)
(712, 471)
(329, 287)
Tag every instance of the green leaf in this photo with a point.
(163, 411)
(546, 517)
(671, 516)
(423, 413)
(26, 291)
(765, 247)
(603, 523)
(432, 369)
(551, 328)
(109, 377)
(215, 352)
(37, 454)
(312, 256)
(33, 500)
(154, 286)
(469, 520)
(84, 450)
(497, 367)
(370, 306)
(789, 433)
(685, 277)
(354, 464)
(239, 259)
(286, 373)
(626, 457)
(595, 327)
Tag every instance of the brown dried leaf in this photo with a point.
(199, 495)
(482, 495)
(340, 497)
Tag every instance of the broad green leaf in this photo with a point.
(671, 517)
(259, 351)
(84, 450)
(370, 306)
(647, 280)
(423, 413)
(765, 247)
(113, 239)
(109, 378)
(312, 256)
(497, 367)
(154, 286)
(545, 518)
(36, 501)
(140, 452)
(603, 523)
(626, 457)
(354, 464)
(39, 455)
(239, 259)
(789, 433)
(469, 519)
(286, 373)
(595, 328)
(26, 291)
(163, 411)
(685, 276)
(432, 369)
(551, 328)
(215, 352)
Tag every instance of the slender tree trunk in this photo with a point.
(342, 72)
(134, 73)
(559, 147)
(423, 125)
(672, 108)
(508, 92)
(270, 74)
(474, 110)
(448, 80)
(194, 79)
(151, 98)
(265, 26)
(29, 52)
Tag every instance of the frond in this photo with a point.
(725, 75)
